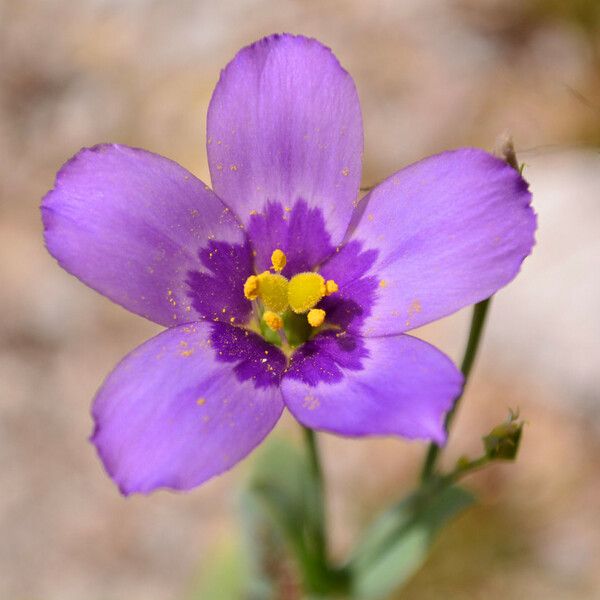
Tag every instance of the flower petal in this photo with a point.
(396, 385)
(186, 406)
(450, 231)
(352, 304)
(284, 124)
(135, 226)
(300, 232)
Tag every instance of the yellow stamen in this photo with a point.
(331, 287)
(305, 290)
(251, 288)
(316, 317)
(278, 260)
(273, 291)
(273, 320)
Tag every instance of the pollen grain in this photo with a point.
(331, 287)
(316, 317)
(272, 320)
(251, 287)
(278, 260)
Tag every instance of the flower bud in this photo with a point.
(502, 443)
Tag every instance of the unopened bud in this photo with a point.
(502, 443)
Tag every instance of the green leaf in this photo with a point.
(281, 479)
(397, 544)
(263, 549)
(249, 566)
(275, 509)
(283, 485)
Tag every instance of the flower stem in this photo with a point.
(322, 579)
(480, 311)
(316, 470)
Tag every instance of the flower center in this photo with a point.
(281, 298)
(304, 291)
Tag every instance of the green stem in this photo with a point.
(435, 485)
(322, 579)
(313, 455)
(480, 311)
(318, 535)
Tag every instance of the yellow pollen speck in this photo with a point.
(345, 171)
(311, 402)
(233, 167)
(382, 283)
(201, 401)
(305, 290)
(316, 317)
(278, 260)
(251, 287)
(272, 320)
(415, 307)
(331, 287)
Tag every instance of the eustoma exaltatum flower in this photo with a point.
(279, 288)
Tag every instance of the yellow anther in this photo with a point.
(251, 287)
(278, 260)
(272, 320)
(273, 291)
(316, 317)
(305, 290)
(331, 287)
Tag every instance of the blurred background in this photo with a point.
(431, 75)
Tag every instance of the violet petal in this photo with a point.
(131, 225)
(176, 411)
(396, 385)
(300, 232)
(450, 231)
(284, 124)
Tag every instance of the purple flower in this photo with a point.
(279, 288)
